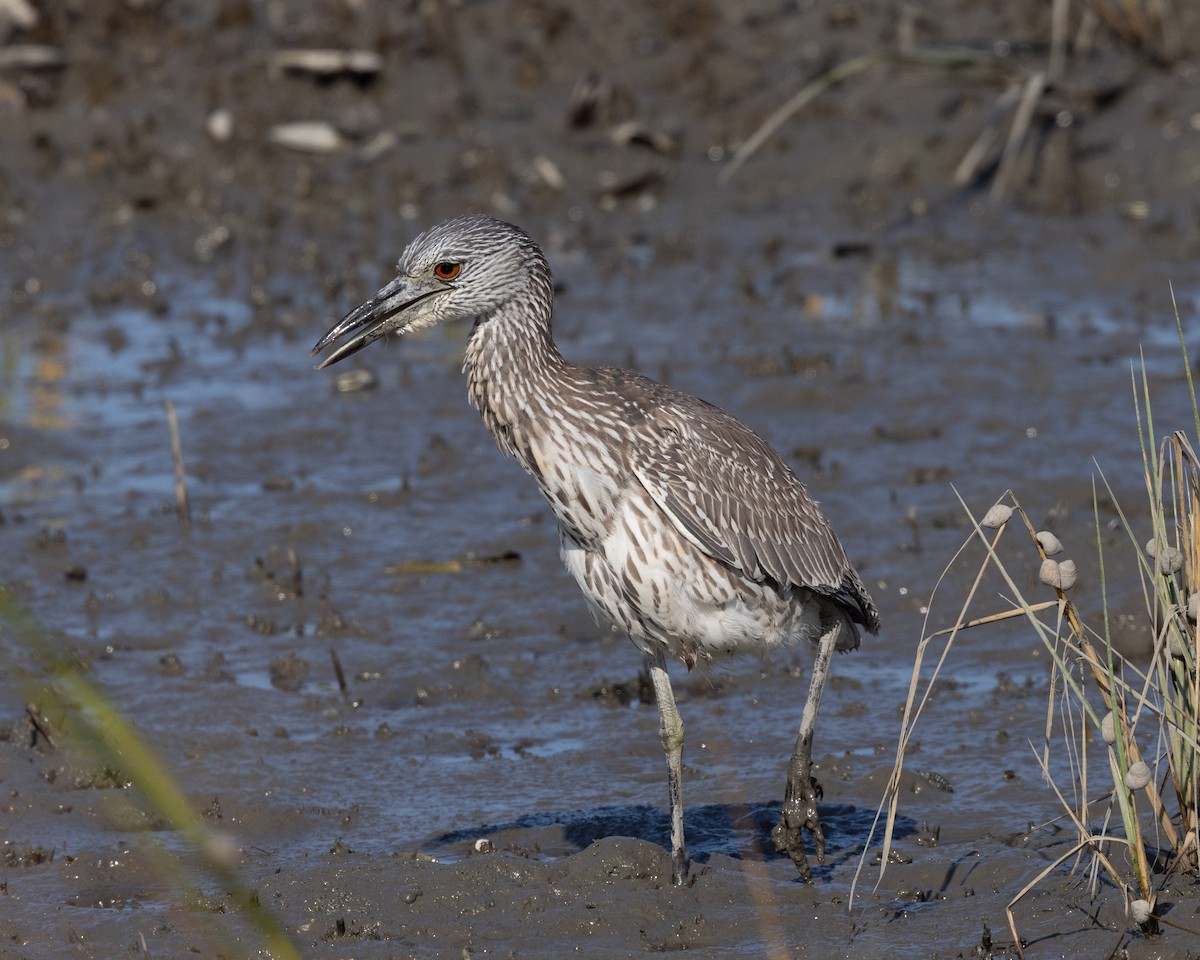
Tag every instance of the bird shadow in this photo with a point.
(738, 831)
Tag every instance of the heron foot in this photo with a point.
(679, 868)
(799, 813)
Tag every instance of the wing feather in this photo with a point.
(733, 496)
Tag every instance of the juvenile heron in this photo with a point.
(681, 526)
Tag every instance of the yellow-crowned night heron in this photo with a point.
(681, 526)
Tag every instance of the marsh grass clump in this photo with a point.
(1121, 743)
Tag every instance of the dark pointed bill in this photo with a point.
(381, 315)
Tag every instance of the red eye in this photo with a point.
(447, 270)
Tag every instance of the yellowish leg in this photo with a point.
(799, 811)
(670, 726)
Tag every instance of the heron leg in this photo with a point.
(670, 727)
(799, 812)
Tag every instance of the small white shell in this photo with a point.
(1059, 575)
(19, 13)
(220, 124)
(548, 171)
(632, 131)
(1050, 543)
(1139, 910)
(1137, 776)
(1193, 607)
(328, 63)
(1108, 729)
(357, 379)
(31, 56)
(997, 516)
(1170, 560)
(1152, 547)
(311, 136)
(483, 845)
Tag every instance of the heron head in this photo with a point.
(469, 267)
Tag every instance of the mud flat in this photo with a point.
(189, 196)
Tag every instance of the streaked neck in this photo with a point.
(513, 365)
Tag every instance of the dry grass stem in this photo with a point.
(888, 807)
(1145, 718)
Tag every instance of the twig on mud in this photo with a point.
(297, 572)
(39, 728)
(339, 672)
(1016, 135)
(1085, 35)
(950, 57)
(1058, 40)
(973, 159)
(806, 94)
(181, 494)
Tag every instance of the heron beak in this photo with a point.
(391, 310)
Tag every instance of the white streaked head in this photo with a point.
(466, 268)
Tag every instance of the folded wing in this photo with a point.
(733, 497)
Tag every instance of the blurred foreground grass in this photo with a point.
(81, 721)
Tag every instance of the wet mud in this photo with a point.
(361, 658)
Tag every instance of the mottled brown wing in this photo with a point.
(733, 496)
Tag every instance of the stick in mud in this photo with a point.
(181, 496)
(341, 676)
